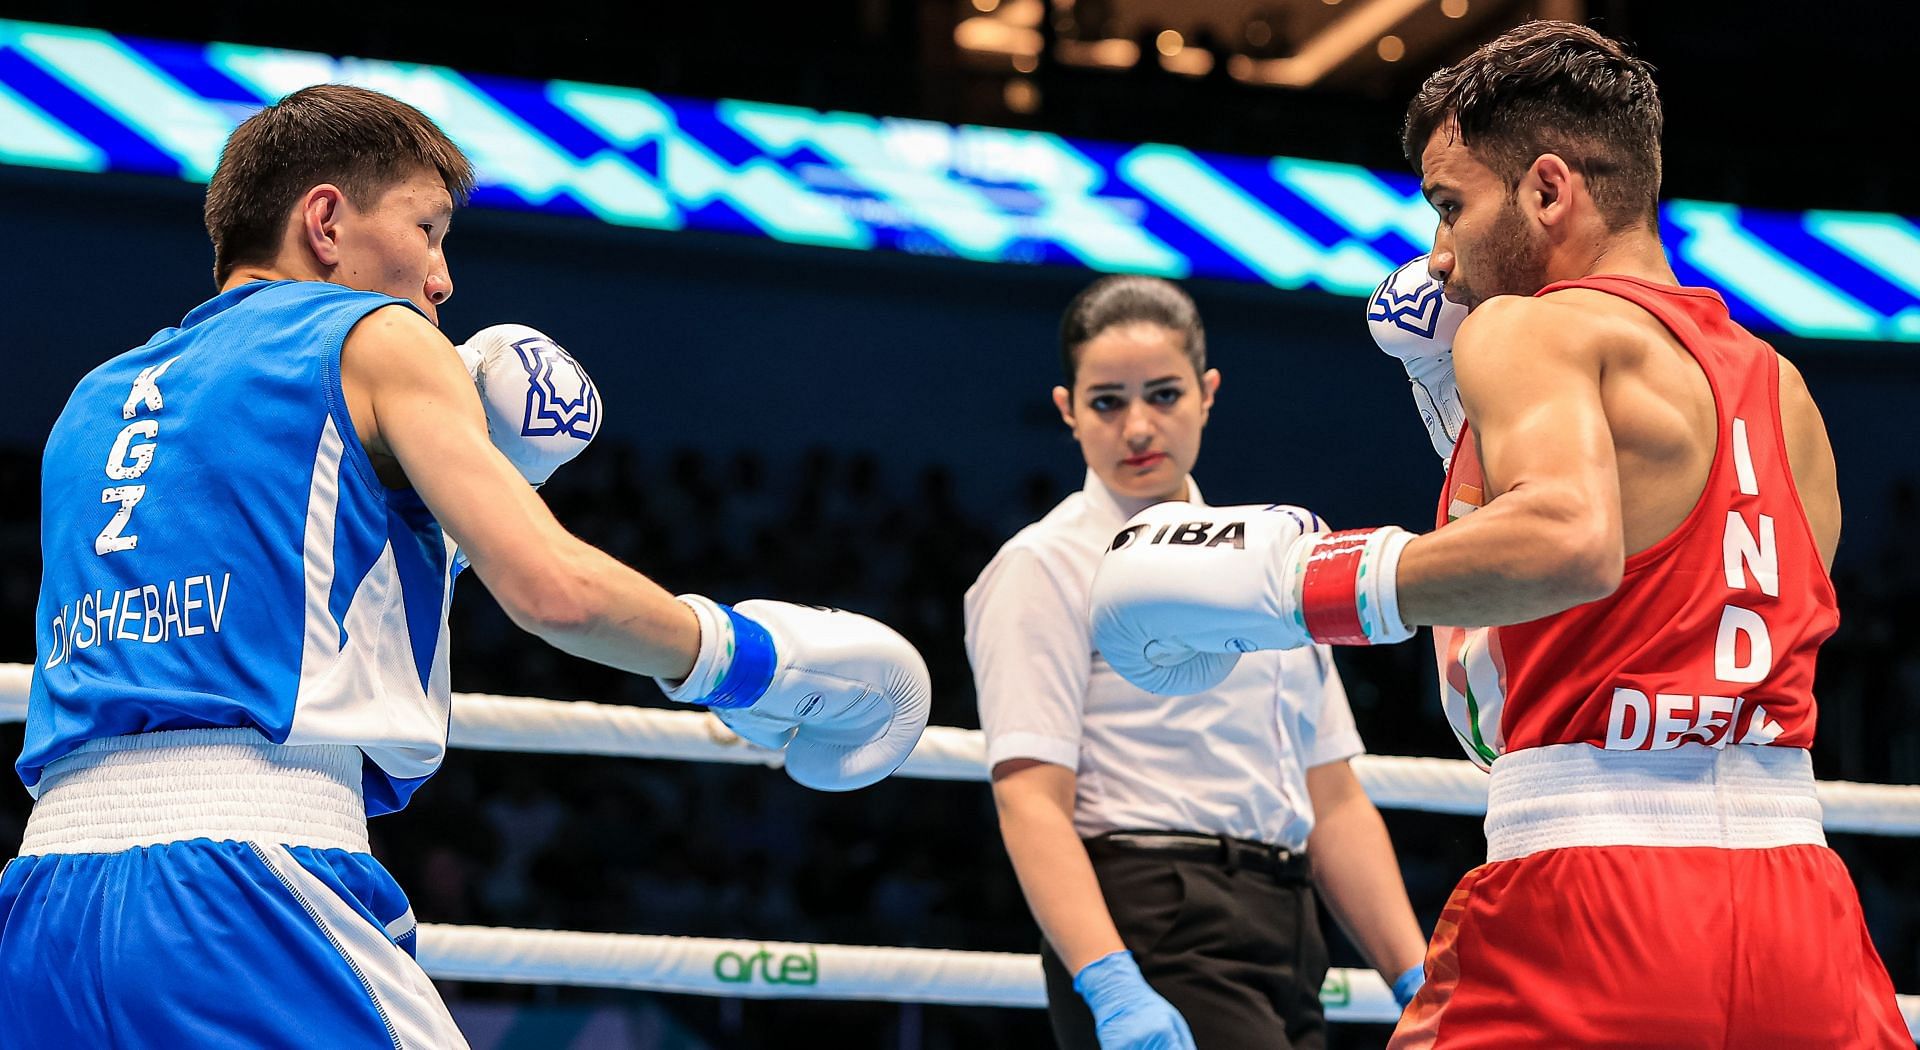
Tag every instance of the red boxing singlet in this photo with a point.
(1711, 636)
(1659, 881)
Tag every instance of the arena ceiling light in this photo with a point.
(1286, 43)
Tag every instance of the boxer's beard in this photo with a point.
(1510, 260)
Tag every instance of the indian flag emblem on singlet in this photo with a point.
(1466, 499)
(1473, 689)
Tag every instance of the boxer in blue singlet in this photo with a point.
(251, 526)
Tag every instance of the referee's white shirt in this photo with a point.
(1230, 761)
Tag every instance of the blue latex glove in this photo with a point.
(1127, 1013)
(1407, 985)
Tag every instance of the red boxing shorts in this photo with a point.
(1677, 899)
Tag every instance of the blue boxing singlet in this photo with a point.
(219, 553)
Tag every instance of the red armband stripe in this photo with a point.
(1329, 598)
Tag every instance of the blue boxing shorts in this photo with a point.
(207, 888)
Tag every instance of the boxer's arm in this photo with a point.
(411, 399)
(1551, 537)
(1355, 869)
(1035, 801)
(1810, 457)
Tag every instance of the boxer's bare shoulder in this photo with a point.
(1529, 369)
(1563, 330)
(1810, 457)
(392, 354)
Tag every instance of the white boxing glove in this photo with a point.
(1184, 590)
(542, 408)
(844, 694)
(1411, 319)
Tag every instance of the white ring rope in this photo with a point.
(779, 970)
(528, 724)
(744, 969)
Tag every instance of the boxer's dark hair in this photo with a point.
(361, 141)
(1552, 87)
(1130, 299)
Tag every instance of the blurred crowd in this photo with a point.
(689, 848)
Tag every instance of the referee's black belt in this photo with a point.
(1278, 861)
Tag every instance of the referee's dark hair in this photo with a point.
(1123, 299)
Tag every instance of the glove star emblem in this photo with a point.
(560, 397)
(1417, 310)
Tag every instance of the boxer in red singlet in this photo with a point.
(1630, 564)
(1657, 873)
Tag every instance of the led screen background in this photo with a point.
(88, 100)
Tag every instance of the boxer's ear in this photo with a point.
(318, 220)
(1547, 189)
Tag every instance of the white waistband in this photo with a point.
(1739, 797)
(153, 788)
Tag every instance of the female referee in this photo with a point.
(1169, 847)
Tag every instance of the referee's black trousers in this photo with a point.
(1237, 951)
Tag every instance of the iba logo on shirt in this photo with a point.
(560, 397)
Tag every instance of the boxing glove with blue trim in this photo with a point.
(843, 694)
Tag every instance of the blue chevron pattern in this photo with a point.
(1417, 310)
(85, 100)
